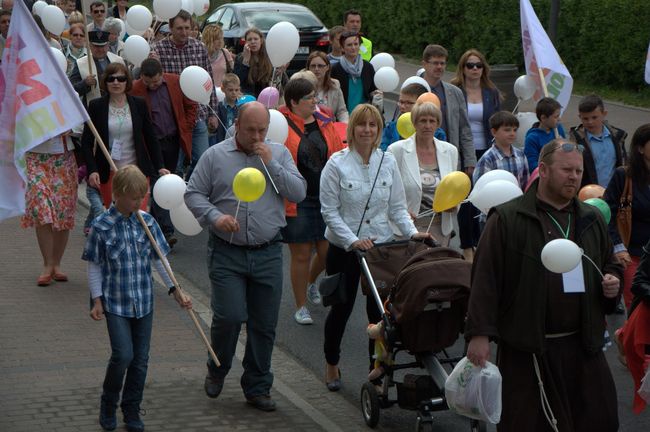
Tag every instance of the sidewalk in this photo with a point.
(54, 357)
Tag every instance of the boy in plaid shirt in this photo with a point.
(119, 256)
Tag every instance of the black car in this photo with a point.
(236, 18)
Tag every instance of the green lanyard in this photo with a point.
(557, 224)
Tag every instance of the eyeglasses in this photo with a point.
(96, 11)
(317, 66)
(118, 78)
(436, 63)
(470, 65)
(77, 35)
(309, 97)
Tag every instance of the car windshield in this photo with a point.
(265, 19)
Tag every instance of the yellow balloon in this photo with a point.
(249, 184)
(452, 190)
(405, 126)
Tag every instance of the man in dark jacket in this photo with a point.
(548, 326)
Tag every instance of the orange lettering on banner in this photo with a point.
(57, 112)
(37, 90)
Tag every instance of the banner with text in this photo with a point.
(540, 54)
(37, 102)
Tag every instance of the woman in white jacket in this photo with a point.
(423, 161)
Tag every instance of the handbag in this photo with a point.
(624, 214)
(332, 288)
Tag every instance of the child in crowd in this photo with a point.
(227, 108)
(335, 55)
(407, 98)
(503, 155)
(548, 113)
(604, 144)
(119, 257)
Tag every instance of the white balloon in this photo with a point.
(561, 255)
(60, 59)
(221, 96)
(497, 174)
(131, 31)
(201, 7)
(386, 79)
(495, 193)
(166, 9)
(38, 7)
(382, 59)
(416, 80)
(187, 6)
(278, 127)
(196, 84)
(168, 191)
(53, 19)
(136, 49)
(282, 42)
(526, 121)
(184, 221)
(420, 72)
(525, 87)
(139, 17)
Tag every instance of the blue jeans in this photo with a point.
(96, 205)
(246, 287)
(130, 339)
(200, 144)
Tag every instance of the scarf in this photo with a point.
(353, 69)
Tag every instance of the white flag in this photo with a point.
(37, 102)
(540, 54)
(647, 66)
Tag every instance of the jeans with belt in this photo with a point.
(246, 288)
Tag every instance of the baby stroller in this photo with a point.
(423, 315)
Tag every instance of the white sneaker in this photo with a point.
(302, 316)
(313, 295)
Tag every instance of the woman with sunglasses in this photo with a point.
(483, 99)
(311, 142)
(355, 75)
(124, 125)
(328, 89)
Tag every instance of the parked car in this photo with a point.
(236, 18)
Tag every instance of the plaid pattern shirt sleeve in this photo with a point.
(175, 60)
(493, 159)
(120, 246)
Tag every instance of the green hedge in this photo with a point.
(603, 42)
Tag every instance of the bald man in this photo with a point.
(244, 249)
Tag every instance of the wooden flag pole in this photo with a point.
(543, 81)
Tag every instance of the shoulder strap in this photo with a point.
(225, 58)
(370, 195)
(294, 126)
(626, 196)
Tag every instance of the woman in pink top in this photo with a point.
(220, 58)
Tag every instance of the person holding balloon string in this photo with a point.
(423, 161)
(253, 66)
(244, 252)
(361, 194)
(311, 142)
(549, 326)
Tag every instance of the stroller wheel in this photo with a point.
(478, 426)
(422, 425)
(370, 404)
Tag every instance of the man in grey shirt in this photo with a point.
(245, 273)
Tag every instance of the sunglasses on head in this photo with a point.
(566, 148)
(470, 65)
(118, 78)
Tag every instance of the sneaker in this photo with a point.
(107, 417)
(132, 419)
(313, 295)
(302, 316)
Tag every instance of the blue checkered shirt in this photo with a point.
(175, 59)
(120, 246)
(494, 158)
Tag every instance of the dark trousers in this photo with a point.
(340, 261)
(170, 149)
(468, 223)
(130, 339)
(246, 288)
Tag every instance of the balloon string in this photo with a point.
(219, 120)
(514, 111)
(236, 214)
(431, 222)
(594, 264)
(269, 176)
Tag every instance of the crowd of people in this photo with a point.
(328, 196)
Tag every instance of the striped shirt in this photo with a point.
(175, 59)
(120, 246)
(494, 158)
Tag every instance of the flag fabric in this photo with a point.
(647, 66)
(37, 102)
(539, 53)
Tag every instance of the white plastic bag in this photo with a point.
(644, 389)
(475, 392)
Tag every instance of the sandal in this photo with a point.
(60, 277)
(44, 280)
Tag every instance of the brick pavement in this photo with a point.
(54, 356)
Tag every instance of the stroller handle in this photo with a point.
(428, 242)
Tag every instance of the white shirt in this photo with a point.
(344, 189)
(475, 115)
(120, 132)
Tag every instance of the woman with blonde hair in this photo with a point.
(328, 89)
(358, 211)
(220, 58)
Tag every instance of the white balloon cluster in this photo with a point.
(282, 43)
(52, 17)
(525, 87)
(168, 193)
(494, 188)
(386, 77)
(136, 49)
